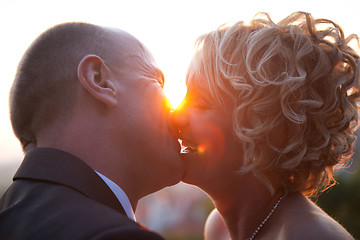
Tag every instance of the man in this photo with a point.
(87, 106)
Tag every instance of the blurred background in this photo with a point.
(169, 29)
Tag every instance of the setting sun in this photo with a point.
(169, 34)
(174, 94)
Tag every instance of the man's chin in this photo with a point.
(176, 174)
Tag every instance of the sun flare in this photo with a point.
(202, 148)
(175, 93)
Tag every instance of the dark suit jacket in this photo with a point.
(57, 196)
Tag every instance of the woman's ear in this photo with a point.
(95, 77)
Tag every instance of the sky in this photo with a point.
(168, 29)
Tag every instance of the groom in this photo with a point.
(88, 108)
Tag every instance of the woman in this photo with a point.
(270, 110)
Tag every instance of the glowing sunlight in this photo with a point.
(167, 28)
(174, 93)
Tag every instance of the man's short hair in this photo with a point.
(45, 83)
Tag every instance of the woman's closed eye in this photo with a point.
(201, 101)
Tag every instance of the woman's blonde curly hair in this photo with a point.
(295, 89)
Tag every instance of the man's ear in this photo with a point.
(95, 77)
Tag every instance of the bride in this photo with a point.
(270, 110)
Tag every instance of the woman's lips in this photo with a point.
(188, 147)
(189, 150)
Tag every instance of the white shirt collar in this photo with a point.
(120, 195)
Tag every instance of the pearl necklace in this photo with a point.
(267, 218)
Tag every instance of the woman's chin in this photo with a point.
(198, 168)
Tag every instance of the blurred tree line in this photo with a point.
(342, 201)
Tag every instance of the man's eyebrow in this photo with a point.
(159, 76)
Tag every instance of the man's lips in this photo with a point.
(177, 144)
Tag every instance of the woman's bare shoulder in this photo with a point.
(297, 218)
(305, 220)
(215, 228)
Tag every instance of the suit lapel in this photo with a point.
(46, 164)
